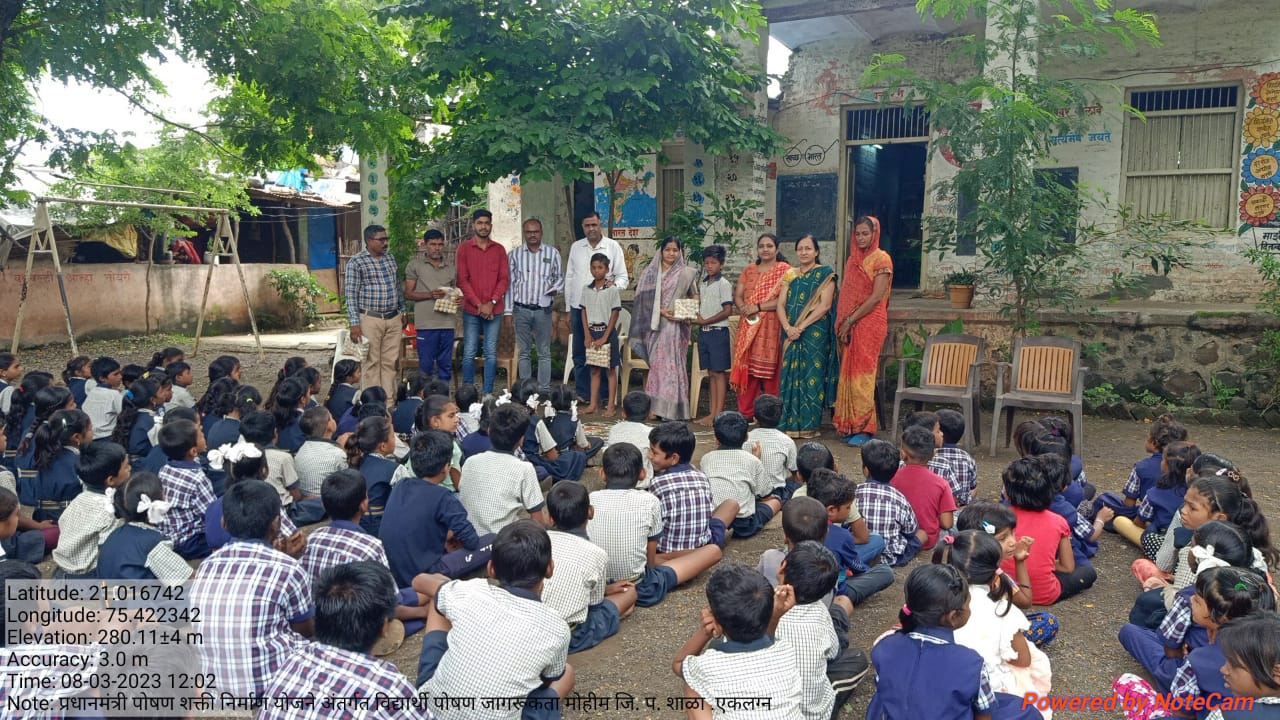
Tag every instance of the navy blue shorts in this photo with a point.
(718, 531)
(713, 349)
(658, 580)
(602, 622)
(745, 527)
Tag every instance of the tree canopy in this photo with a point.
(527, 87)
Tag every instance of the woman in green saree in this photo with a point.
(809, 359)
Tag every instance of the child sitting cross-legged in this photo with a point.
(737, 474)
(261, 429)
(90, 518)
(1146, 472)
(777, 449)
(319, 457)
(628, 522)
(857, 581)
(247, 461)
(635, 409)
(579, 590)
(929, 421)
(425, 528)
(186, 488)
(1055, 572)
(929, 494)
(748, 662)
(501, 626)
(355, 608)
(689, 520)
(886, 510)
(921, 672)
(996, 628)
(829, 669)
(951, 423)
(997, 520)
(495, 486)
(255, 601)
(814, 456)
(565, 427)
(343, 541)
(137, 550)
(809, 457)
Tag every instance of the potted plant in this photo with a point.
(960, 287)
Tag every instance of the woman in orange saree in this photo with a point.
(758, 348)
(862, 321)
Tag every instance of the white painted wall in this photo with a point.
(1222, 43)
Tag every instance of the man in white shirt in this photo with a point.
(577, 277)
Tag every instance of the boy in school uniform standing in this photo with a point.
(627, 524)
(579, 590)
(601, 304)
(255, 601)
(715, 307)
(497, 639)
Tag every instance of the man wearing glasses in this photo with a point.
(374, 303)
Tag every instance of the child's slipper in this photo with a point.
(857, 440)
(391, 640)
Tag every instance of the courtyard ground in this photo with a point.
(1086, 656)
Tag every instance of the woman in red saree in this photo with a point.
(862, 321)
(758, 348)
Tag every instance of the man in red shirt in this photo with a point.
(483, 277)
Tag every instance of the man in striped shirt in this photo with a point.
(536, 278)
(373, 306)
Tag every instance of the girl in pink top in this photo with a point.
(1054, 572)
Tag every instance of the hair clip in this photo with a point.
(906, 610)
(949, 539)
(128, 394)
(988, 528)
(1241, 586)
(573, 411)
(503, 399)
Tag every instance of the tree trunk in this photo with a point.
(288, 236)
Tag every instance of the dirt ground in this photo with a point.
(1086, 656)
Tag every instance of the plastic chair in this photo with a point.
(696, 373)
(1046, 376)
(629, 360)
(948, 374)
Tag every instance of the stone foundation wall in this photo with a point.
(1166, 359)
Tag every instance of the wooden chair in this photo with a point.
(948, 374)
(696, 373)
(1046, 376)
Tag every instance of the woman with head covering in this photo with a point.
(808, 341)
(862, 321)
(658, 336)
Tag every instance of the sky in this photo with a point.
(78, 106)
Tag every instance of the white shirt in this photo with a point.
(578, 273)
(991, 635)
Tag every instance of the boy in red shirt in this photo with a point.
(930, 496)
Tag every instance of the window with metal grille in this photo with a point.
(887, 123)
(1181, 160)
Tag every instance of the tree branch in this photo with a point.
(181, 126)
